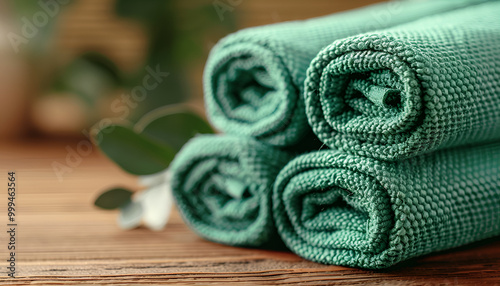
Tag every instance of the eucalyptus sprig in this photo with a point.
(146, 150)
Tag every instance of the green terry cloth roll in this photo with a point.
(223, 188)
(338, 208)
(254, 79)
(411, 89)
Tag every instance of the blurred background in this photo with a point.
(66, 64)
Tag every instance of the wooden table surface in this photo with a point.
(62, 239)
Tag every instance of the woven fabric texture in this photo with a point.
(254, 79)
(336, 208)
(408, 90)
(223, 186)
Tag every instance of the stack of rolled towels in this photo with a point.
(361, 138)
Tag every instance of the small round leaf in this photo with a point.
(113, 199)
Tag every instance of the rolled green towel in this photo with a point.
(412, 89)
(336, 208)
(254, 79)
(223, 188)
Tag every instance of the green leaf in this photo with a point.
(113, 199)
(134, 153)
(172, 126)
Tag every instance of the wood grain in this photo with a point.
(63, 239)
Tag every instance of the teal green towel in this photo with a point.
(336, 208)
(223, 188)
(254, 79)
(397, 93)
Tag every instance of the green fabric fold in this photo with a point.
(254, 78)
(349, 210)
(412, 89)
(223, 188)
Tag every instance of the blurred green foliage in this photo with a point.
(178, 33)
(114, 198)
